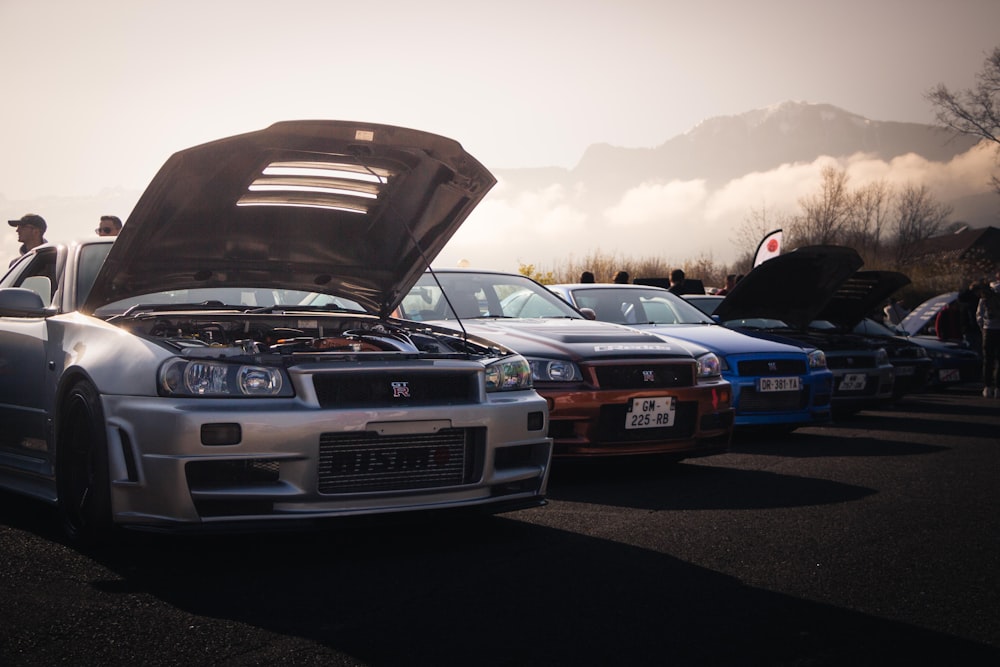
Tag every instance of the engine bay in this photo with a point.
(293, 334)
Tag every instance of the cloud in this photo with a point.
(508, 228)
(549, 226)
(682, 220)
(655, 203)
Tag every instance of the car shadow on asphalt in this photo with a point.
(693, 487)
(439, 590)
(505, 592)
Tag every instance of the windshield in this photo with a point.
(762, 323)
(244, 298)
(481, 295)
(638, 306)
(870, 327)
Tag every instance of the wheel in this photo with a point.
(82, 478)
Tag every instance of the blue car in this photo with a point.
(775, 385)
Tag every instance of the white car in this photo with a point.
(173, 378)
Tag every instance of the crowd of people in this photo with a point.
(31, 229)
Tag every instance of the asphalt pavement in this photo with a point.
(872, 541)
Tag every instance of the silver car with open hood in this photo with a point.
(178, 377)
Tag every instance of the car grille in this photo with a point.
(765, 367)
(367, 461)
(644, 376)
(388, 388)
(612, 425)
(852, 361)
(752, 400)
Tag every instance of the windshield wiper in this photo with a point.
(289, 308)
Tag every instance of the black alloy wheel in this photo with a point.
(82, 478)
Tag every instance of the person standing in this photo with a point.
(730, 284)
(895, 311)
(31, 230)
(677, 282)
(988, 317)
(621, 278)
(110, 225)
(948, 323)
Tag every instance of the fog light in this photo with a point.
(221, 434)
(536, 420)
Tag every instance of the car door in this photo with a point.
(24, 342)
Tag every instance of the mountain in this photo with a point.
(725, 148)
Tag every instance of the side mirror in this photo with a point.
(21, 302)
(588, 313)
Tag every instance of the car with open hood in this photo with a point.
(781, 299)
(848, 310)
(177, 377)
(612, 390)
(776, 386)
(955, 361)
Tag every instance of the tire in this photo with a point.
(82, 478)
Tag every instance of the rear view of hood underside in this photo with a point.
(793, 287)
(355, 210)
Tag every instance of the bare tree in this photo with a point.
(757, 224)
(824, 215)
(976, 111)
(868, 219)
(918, 216)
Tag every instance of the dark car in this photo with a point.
(611, 390)
(956, 361)
(847, 310)
(781, 299)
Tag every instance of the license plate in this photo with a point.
(778, 384)
(853, 382)
(650, 412)
(949, 375)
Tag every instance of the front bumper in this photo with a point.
(285, 459)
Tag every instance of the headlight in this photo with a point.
(817, 359)
(709, 366)
(549, 370)
(198, 377)
(508, 374)
(881, 357)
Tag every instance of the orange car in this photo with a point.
(611, 390)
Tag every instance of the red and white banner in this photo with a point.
(769, 247)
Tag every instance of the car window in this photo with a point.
(482, 295)
(91, 259)
(38, 274)
(632, 306)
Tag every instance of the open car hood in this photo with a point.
(918, 318)
(350, 209)
(793, 287)
(859, 295)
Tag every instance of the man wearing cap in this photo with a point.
(30, 232)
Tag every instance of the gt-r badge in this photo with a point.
(648, 376)
(400, 389)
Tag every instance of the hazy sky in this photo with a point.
(100, 93)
